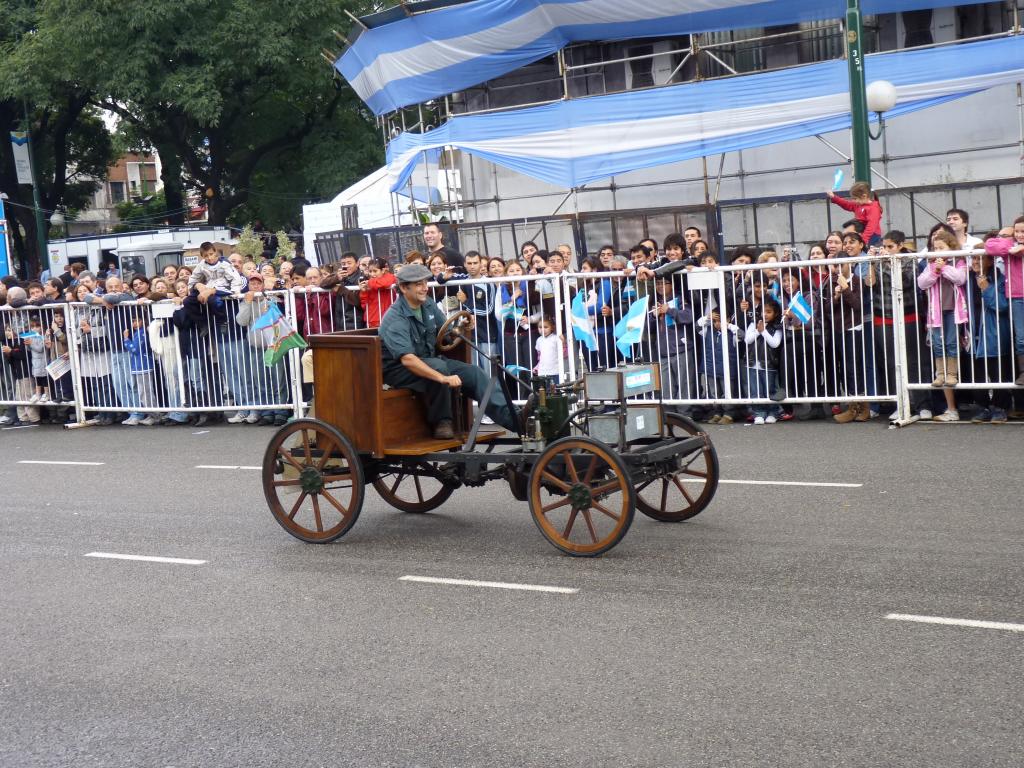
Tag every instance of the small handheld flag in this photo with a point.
(268, 318)
(800, 308)
(581, 327)
(630, 329)
(837, 183)
(29, 335)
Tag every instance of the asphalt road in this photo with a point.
(754, 634)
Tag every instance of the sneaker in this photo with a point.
(714, 419)
(983, 416)
(253, 417)
(44, 398)
(266, 420)
(770, 420)
(948, 415)
(894, 416)
(874, 414)
(104, 421)
(925, 414)
(486, 420)
(238, 418)
(759, 420)
(725, 421)
(5, 420)
(131, 421)
(786, 416)
(149, 421)
(201, 420)
(998, 416)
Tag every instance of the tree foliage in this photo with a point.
(234, 95)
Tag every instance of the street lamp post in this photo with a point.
(858, 92)
(44, 257)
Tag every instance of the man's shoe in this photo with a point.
(949, 415)
(982, 417)
(280, 421)
(238, 418)
(253, 417)
(149, 421)
(998, 416)
(201, 420)
(131, 421)
(443, 430)
(726, 420)
(714, 419)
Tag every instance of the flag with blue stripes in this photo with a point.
(581, 328)
(801, 309)
(630, 329)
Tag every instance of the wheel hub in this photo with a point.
(579, 495)
(311, 480)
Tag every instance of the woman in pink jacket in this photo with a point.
(944, 282)
(1011, 249)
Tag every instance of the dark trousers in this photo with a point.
(437, 396)
(997, 369)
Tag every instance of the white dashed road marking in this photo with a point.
(490, 584)
(146, 558)
(957, 622)
(224, 466)
(67, 463)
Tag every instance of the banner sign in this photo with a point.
(22, 160)
(5, 251)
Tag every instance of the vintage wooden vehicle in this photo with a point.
(584, 459)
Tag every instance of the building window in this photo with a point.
(116, 192)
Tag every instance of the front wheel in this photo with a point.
(313, 481)
(686, 491)
(581, 496)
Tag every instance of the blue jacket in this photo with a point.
(990, 317)
(139, 357)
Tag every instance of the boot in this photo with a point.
(1020, 371)
(940, 372)
(864, 414)
(848, 415)
(952, 371)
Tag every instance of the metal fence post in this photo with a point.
(295, 358)
(563, 322)
(70, 323)
(726, 357)
(900, 341)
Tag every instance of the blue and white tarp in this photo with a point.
(429, 55)
(571, 143)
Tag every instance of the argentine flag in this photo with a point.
(581, 323)
(800, 308)
(630, 329)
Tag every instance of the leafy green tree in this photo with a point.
(227, 90)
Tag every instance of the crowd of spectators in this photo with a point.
(820, 333)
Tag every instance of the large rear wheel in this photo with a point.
(313, 481)
(581, 496)
(686, 491)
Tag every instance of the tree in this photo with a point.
(228, 90)
(71, 146)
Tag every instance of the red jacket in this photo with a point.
(378, 299)
(869, 213)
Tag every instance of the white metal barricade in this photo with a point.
(35, 364)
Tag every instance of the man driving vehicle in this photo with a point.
(408, 333)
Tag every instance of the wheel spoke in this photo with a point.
(609, 487)
(682, 489)
(604, 510)
(641, 487)
(336, 478)
(588, 478)
(694, 473)
(316, 514)
(419, 491)
(280, 483)
(664, 493)
(569, 523)
(327, 455)
(298, 503)
(571, 466)
(693, 458)
(305, 446)
(286, 455)
(554, 480)
(335, 503)
(398, 481)
(556, 505)
(590, 525)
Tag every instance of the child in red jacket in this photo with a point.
(865, 208)
(377, 293)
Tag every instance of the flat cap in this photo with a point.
(413, 273)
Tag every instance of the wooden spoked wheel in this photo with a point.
(449, 335)
(313, 481)
(414, 488)
(581, 496)
(686, 491)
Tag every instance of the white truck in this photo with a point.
(146, 252)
